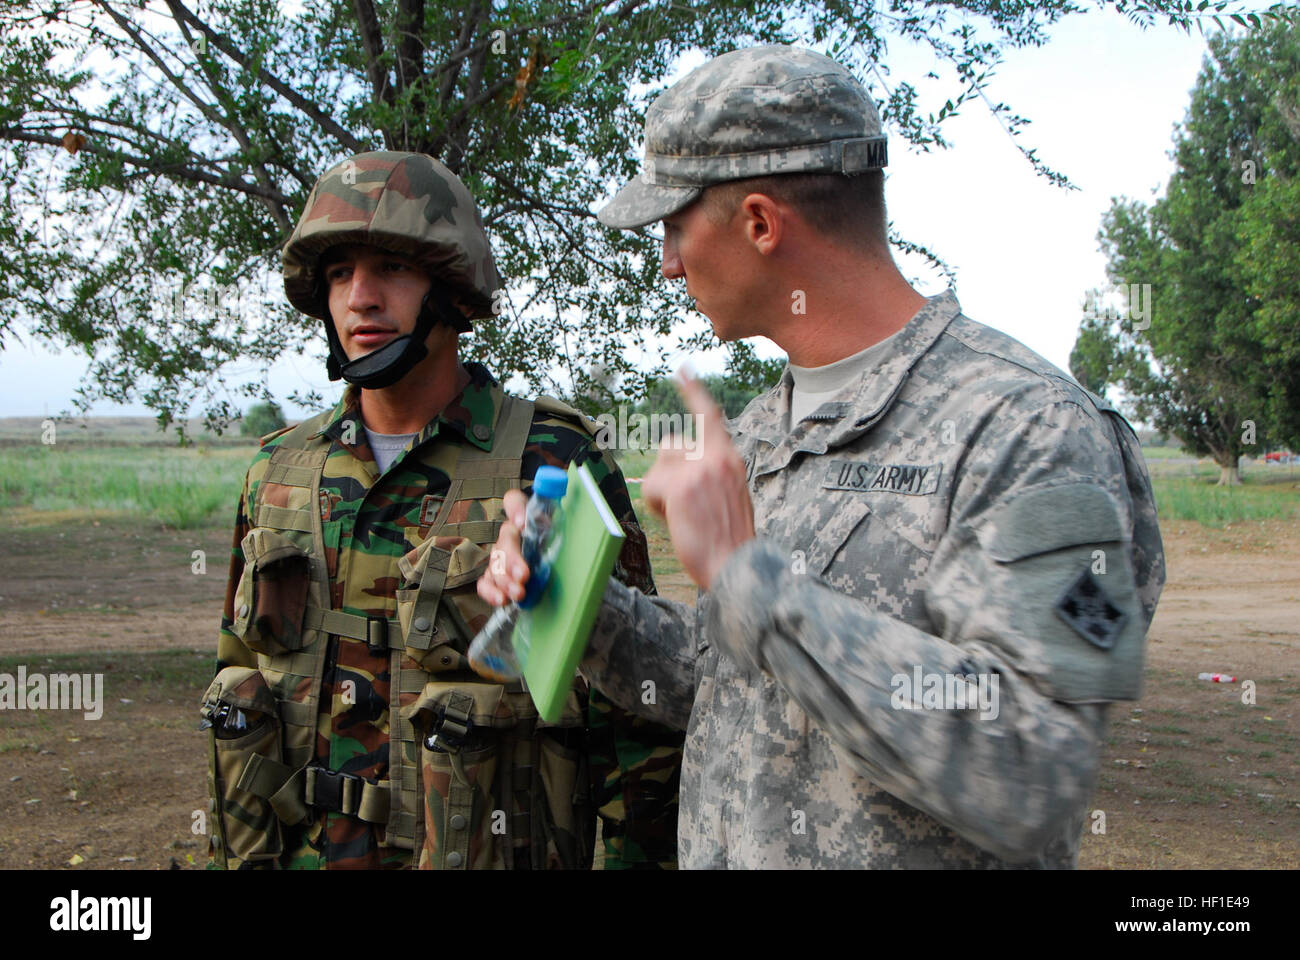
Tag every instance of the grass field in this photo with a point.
(180, 487)
(1200, 500)
(188, 487)
(112, 431)
(1185, 489)
(1163, 453)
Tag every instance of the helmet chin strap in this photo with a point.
(386, 365)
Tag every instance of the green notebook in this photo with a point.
(551, 638)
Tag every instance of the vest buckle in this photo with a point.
(377, 635)
(334, 791)
(329, 790)
(448, 733)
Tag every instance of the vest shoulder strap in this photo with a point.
(513, 426)
(300, 436)
(510, 436)
(273, 434)
(554, 406)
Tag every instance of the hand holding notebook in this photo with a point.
(550, 638)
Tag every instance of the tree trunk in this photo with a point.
(1228, 476)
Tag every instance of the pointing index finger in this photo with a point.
(699, 402)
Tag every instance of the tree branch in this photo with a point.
(327, 123)
(410, 45)
(566, 18)
(410, 64)
(441, 141)
(532, 201)
(373, 44)
(236, 128)
(575, 245)
(451, 67)
(129, 29)
(230, 181)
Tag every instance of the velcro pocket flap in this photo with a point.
(484, 703)
(463, 560)
(468, 562)
(1051, 518)
(410, 565)
(242, 687)
(263, 545)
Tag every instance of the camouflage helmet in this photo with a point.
(408, 203)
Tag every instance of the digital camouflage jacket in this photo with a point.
(964, 520)
(429, 520)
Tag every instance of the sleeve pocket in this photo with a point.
(1059, 596)
(1051, 518)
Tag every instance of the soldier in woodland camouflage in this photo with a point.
(349, 731)
(920, 497)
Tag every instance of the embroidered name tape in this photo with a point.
(912, 479)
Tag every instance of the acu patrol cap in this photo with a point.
(749, 113)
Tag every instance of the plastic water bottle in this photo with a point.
(493, 654)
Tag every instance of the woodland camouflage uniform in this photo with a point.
(328, 658)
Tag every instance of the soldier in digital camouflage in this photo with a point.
(928, 557)
(348, 730)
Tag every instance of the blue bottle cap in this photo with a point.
(550, 482)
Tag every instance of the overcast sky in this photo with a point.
(1103, 96)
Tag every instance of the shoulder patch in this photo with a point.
(554, 407)
(1090, 612)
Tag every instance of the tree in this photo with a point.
(1214, 359)
(261, 419)
(745, 377)
(662, 396)
(1268, 256)
(1094, 360)
(156, 155)
(748, 373)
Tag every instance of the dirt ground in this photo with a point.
(1191, 777)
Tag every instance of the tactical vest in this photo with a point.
(475, 778)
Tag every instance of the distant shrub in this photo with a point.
(261, 419)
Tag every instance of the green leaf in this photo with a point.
(137, 216)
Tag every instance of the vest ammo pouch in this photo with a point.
(272, 596)
(502, 789)
(434, 633)
(240, 712)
